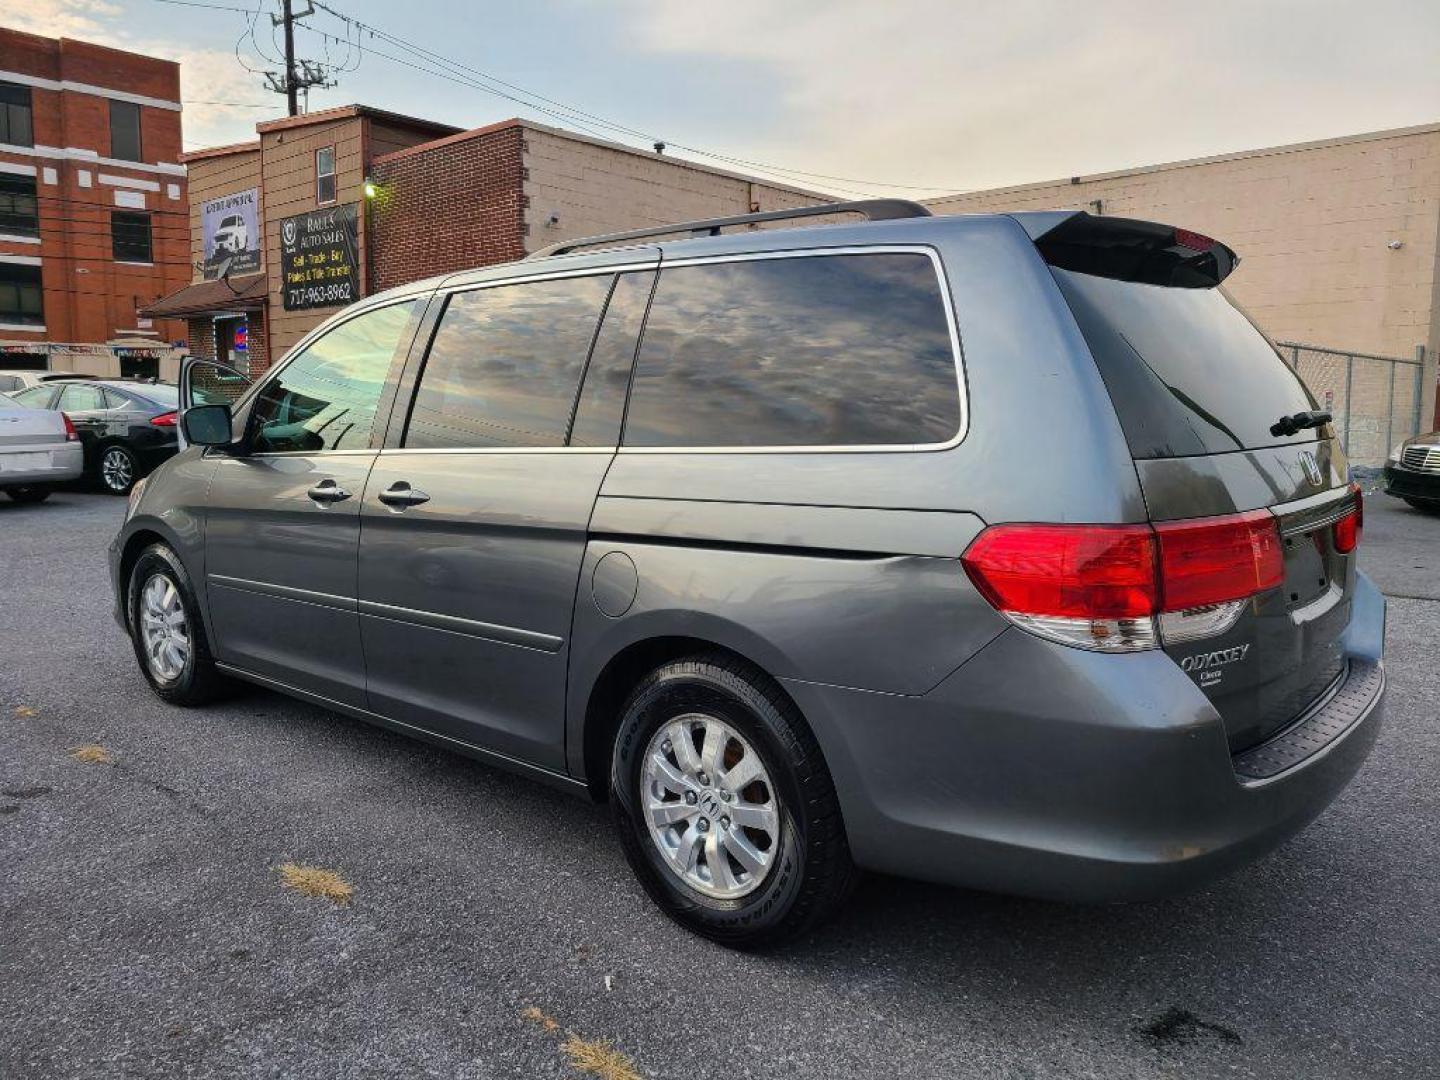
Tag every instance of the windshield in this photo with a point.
(1188, 372)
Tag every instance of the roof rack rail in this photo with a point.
(872, 209)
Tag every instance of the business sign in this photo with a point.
(319, 258)
(231, 231)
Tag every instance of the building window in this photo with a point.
(325, 175)
(130, 237)
(16, 120)
(19, 209)
(21, 299)
(125, 131)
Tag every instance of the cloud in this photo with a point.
(986, 92)
(63, 18)
(206, 74)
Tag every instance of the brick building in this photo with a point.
(298, 168)
(93, 218)
(442, 200)
(499, 192)
(1339, 240)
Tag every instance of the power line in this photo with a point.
(612, 125)
(299, 74)
(47, 220)
(208, 7)
(230, 104)
(478, 79)
(563, 118)
(81, 204)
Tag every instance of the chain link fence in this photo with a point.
(1376, 400)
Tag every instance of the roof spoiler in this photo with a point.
(870, 209)
(1129, 250)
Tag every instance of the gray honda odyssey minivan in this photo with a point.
(999, 550)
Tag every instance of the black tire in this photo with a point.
(28, 494)
(811, 872)
(198, 682)
(1425, 506)
(116, 477)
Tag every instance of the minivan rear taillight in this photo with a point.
(1349, 527)
(1119, 588)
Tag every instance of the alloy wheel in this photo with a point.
(164, 630)
(711, 809)
(117, 470)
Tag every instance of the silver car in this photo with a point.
(37, 450)
(20, 379)
(1002, 551)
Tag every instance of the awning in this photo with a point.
(222, 294)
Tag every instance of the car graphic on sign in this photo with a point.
(232, 236)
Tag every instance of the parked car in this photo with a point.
(11, 381)
(1413, 472)
(732, 532)
(37, 449)
(126, 427)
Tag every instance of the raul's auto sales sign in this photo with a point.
(319, 258)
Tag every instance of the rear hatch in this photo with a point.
(1216, 423)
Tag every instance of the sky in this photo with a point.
(909, 97)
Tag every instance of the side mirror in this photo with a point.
(207, 425)
(206, 382)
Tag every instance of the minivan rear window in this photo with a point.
(822, 350)
(1188, 372)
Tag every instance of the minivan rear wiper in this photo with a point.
(1289, 425)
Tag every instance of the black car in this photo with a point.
(127, 427)
(1413, 472)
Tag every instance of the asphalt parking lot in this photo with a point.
(144, 930)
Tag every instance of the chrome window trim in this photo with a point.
(947, 303)
(446, 290)
(398, 450)
(309, 453)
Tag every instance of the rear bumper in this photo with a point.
(66, 462)
(1408, 484)
(1047, 771)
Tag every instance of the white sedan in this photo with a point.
(37, 448)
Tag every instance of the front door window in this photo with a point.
(326, 398)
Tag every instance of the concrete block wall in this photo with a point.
(589, 187)
(1313, 224)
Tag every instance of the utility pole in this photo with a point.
(299, 74)
(290, 88)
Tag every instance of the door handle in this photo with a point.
(402, 494)
(326, 492)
